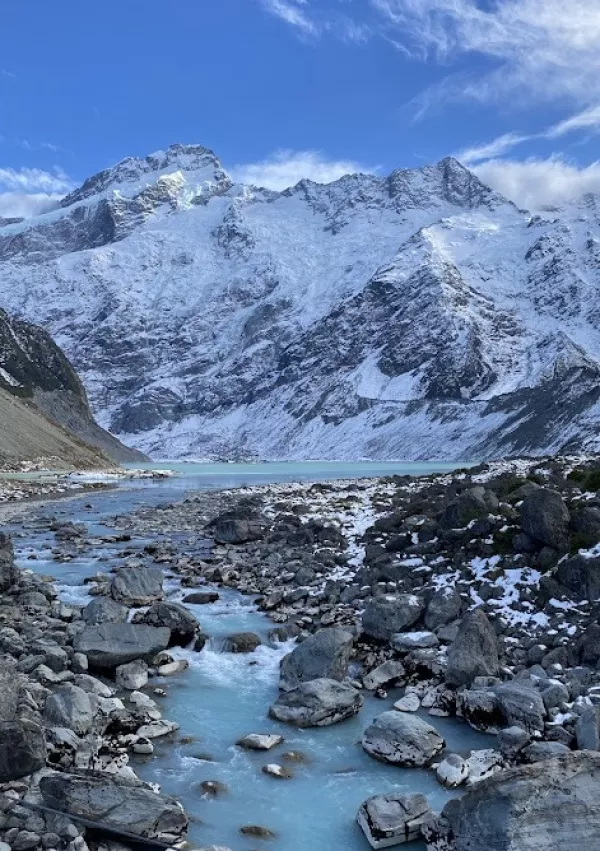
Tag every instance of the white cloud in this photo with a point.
(589, 119)
(27, 192)
(538, 183)
(285, 168)
(491, 150)
(292, 13)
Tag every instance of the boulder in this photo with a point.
(443, 608)
(405, 642)
(104, 610)
(323, 655)
(402, 739)
(317, 703)
(109, 645)
(521, 705)
(173, 616)
(545, 518)
(231, 528)
(242, 642)
(132, 675)
(409, 703)
(137, 586)
(581, 577)
(473, 503)
(384, 616)
(116, 804)
(384, 673)
(585, 525)
(201, 598)
(388, 820)
(69, 706)
(260, 741)
(452, 771)
(22, 749)
(474, 652)
(587, 729)
(9, 573)
(552, 805)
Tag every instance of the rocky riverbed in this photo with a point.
(475, 594)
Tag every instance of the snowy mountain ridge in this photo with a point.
(417, 315)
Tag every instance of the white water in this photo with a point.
(223, 696)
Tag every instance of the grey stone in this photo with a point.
(581, 576)
(323, 655)
(22, 749)
(521, 705)
(474, 652)
(539, 751)
(69, 706)
(452, 771)
(137, 586)
(317, 703)
(201, 598)
(545, 518)
(104, 610)
(384, 616)
(443, 608)
(242, 642)
(388, 820)
(384, 673)
(402, 739)
(260, 742)
(115, 803)
(132, 675)
(109, 645)
(511, 741)
(404, 642)
(587, 729)
(177, 618)
(473, 503)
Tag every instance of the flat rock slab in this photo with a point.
(402, 739)
(111, 644)
(388, 820)
(318, 703)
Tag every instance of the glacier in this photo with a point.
(415, 316)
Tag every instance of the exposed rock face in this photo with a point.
(41, 391)
(388, 820)
(384, 616)
(402, 739)
(324, 655)
(317, 703)
(552, 805)
(112, 644)
(545, 518)
(137, 586)
(115, 803)
(177, 618)
(474, 653)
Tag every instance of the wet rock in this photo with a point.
(260, 742)
(402, 739)
(386, 673)
(474, 652)
(388, 820)
(109, 645)
(132, 676)
(545, 518)
(201, 598)
(213, 788)
(452, 771)
(317, 703)
(200, 642)
(104, 610)
(175, 617)
(22, 749)
(324, 655)
(242, 642)
(69, 706)
(279, 771)
(115, 803)
(137, 586)
(385, 616)
(256, 831)
(169, 669)
(549, 806)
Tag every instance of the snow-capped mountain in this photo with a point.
(413, 316)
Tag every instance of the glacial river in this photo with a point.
(223, 696)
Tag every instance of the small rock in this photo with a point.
(453, 771)
(260, 742)
(409, 703)
(279, 771)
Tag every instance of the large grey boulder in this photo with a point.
(22, 749)
(545, 518)
(234, 528)
(9, 573)
(116, 804)
(521, 705)
(388, 820)
(317, 703)
(473, 503)
(137, 586)
(324, 655)
(581, 577)
(552, 805)
(443, 608)
(384, 616)
(177, 618)
(112, 644)
(104, 610)
(474, 652)
(402, 739)
(69, 706)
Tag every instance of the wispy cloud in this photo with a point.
(491, 150)
(589, 119)
(293, 13)
(285, 168)
(4, 72)
(26, 192)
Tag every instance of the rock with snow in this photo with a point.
(402, 739)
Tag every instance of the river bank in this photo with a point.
(399, 589)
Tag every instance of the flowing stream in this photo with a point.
(223, 696)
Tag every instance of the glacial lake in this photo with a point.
(223, 696)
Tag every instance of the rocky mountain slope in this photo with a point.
(44, 413)
(419, 315)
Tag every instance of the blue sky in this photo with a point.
(282, 89)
